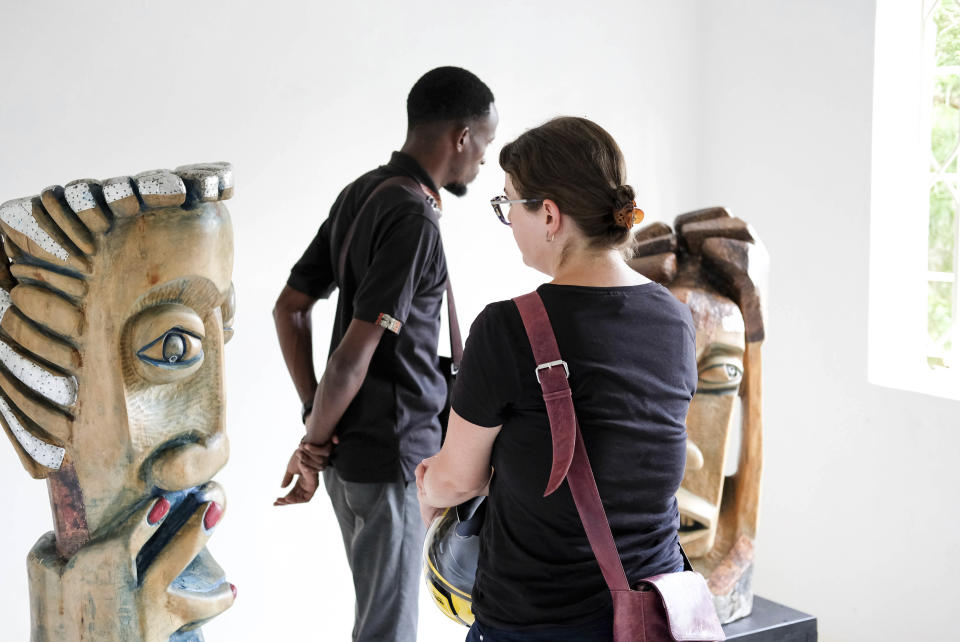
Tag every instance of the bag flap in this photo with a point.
(689, 606)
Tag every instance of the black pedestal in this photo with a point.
(772, 622)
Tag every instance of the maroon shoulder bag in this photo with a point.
(671, 607)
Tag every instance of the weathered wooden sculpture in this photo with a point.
(116, 302)
(717, 265)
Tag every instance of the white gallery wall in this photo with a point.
(763, 106)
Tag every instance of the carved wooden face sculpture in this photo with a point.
(720, 352)
(155, 340)
(115, 311)
(717, 266)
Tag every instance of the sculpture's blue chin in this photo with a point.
(202, 575)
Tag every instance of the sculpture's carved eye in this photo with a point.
(167, 342)
(176, 348)
(720, 374)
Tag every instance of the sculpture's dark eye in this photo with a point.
(720, 375)
(175, 348)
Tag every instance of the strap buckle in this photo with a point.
(544, 366)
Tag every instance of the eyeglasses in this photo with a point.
(499, 203)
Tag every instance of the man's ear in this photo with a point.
(461, 133)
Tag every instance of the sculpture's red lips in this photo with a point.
(194, 583)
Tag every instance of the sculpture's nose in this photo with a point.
(694, 457)
(190, 464)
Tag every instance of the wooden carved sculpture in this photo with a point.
(115, 303)
(717, 265)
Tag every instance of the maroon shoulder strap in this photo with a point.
(552, 373)
(569, 453)
(456, 340)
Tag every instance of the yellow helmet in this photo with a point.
(450, 552)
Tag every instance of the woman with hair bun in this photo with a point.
(630, 347)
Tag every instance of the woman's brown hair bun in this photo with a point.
(624, 207)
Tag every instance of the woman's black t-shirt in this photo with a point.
(632, 358)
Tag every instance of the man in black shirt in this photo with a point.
(373, 414)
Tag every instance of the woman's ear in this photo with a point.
(552, 217)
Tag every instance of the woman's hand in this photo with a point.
(428, 513)
(461, 470)
(421, 472)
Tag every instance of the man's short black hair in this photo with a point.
(447, 93)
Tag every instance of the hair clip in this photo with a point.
(628, 216)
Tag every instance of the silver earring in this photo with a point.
(549, 238)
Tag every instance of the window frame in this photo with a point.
(897, 336)
(950, 181)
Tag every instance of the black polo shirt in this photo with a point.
(395, 276)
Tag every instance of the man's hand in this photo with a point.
(308, 480)
(317, 456)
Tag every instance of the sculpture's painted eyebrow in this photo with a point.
(199, 293)
(174, 291)
(726, 349)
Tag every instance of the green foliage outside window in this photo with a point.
(947, 20)
(942, 212)
(944, 185)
